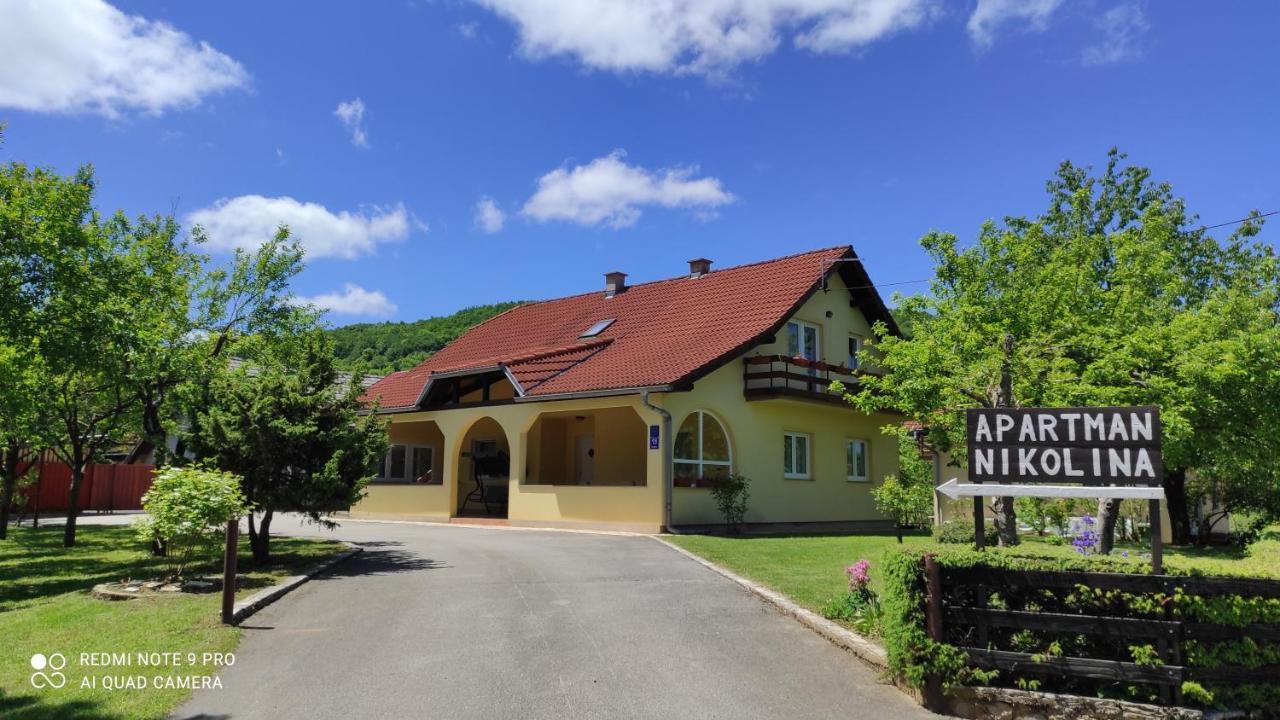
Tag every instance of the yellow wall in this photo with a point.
(755, 431)
(430, 501)
(834, 331)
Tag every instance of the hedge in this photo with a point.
(913, 656)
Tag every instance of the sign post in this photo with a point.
(1111, 452)
(229, 571)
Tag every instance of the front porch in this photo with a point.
(581, 463)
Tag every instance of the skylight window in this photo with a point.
(596, 329)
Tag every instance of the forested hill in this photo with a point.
(390, 346)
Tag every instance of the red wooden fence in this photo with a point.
(105, 487)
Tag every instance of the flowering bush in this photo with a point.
(860, 607)
(1086, 543)
(187, 509)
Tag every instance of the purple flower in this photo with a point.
(858, 576)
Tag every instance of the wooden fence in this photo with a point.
(957, 612)
(107, 487)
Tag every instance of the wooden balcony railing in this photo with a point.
(771, 376)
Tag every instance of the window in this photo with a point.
(407, 464)
(856, 460)
(802, 340)
(596, 329)
(855, 346)
(795, 456)
(701, 450)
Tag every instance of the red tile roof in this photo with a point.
(665, 332)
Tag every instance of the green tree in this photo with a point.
(247, 298)
(280, 421)
(1112, 296)
(907, 497)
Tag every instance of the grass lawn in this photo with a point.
(44, 608)
(810, 568)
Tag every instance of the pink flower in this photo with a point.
(858, 577)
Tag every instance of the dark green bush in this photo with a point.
(913, 656)
(960, 532)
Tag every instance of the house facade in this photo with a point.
(617, 408)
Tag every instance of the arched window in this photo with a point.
(701, 450)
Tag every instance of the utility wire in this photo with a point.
(912, 282)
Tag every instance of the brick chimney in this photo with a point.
(699, 267)
(614, 283)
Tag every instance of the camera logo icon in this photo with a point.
(53, 664)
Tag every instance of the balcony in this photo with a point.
(777, 376)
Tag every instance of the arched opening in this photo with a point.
(484, 470)
(601, 447)
(701, 453)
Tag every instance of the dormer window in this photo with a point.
(596, 329)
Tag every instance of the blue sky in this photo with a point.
(434, 155)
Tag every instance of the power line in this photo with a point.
(1237, 222)
(912, 282)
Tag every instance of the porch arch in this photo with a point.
(483, 455)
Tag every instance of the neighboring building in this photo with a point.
(563, 412)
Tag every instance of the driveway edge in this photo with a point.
(864, 649)
(255, 602)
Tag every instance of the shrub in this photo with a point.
(731, 495)
(187, 510)
(960, 532)
(859, 606)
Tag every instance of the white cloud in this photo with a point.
(488, 216)
(86, 56)
(990, 15)
(351, 115)
(608, 191)
(248, 220)
(353, 300)
(467, 30)
(1120, 30)
(704, 37)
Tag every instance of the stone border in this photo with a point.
(865, 650)
(988, 703)
(255, 602)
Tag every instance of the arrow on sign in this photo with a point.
(955, 489)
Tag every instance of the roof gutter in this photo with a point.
(667, 460)
(643, 389)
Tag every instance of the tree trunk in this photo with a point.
(897, 526)
(73, 504)
(260, 538)
(1008, 526)
(1175, 494)
(1108, 514)
(7, 484)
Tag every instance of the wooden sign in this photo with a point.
(1090, 446)
(1109, 452)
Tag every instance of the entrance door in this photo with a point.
(584, 453)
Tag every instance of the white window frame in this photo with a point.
(852, 361)
(866, 460)
(789, 438)
(699, 461)
(801, 326)
(410, 452)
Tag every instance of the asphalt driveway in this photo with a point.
(451, 622)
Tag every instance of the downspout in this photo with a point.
(667, 460)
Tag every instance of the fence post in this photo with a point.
(229, 570)
(934, 698)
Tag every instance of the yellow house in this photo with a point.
(616, 408)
